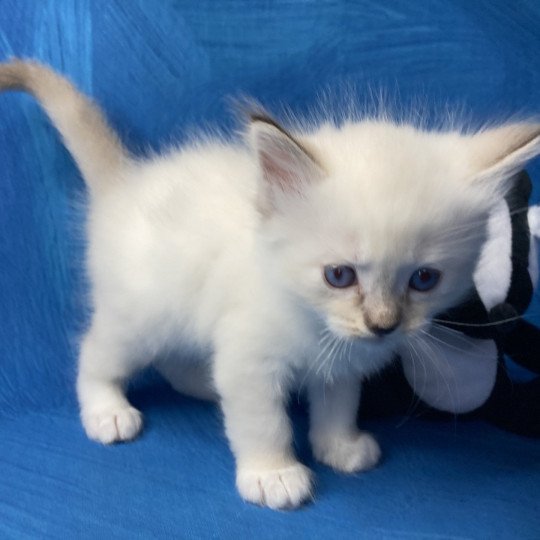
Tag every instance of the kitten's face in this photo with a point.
(382, 228)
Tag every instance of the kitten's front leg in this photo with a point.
(253, 395)
(334, 436)
(105, 365)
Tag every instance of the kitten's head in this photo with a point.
(378, 226)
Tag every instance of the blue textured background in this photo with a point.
(161, 69)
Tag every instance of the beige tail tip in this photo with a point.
(17, 74)
(13, 74)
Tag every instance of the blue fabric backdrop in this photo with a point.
(161, 69)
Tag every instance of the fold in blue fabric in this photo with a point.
(162, 70)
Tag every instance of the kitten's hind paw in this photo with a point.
(283, 488)
(113, 425)
(349, 454)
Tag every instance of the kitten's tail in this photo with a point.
(95, 147)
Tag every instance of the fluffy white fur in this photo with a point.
(218, 250)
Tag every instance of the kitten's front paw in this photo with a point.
(355, 453)
(122, 424)
(283, 488)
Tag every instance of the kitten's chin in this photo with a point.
(363, 352)
(380, 343)
(369, 354)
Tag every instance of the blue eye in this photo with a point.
(340, 276)
(424, 279)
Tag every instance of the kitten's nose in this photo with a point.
(382, 318)
(382, 331)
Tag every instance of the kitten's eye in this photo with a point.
(424, 279)
(340, 276)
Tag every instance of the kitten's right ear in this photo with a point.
(499, 153)
(286, 166)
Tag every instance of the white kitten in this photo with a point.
(290, 260)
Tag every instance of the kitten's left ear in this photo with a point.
(499, 153)
(287, 167)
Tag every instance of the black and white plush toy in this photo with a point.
(459, 367)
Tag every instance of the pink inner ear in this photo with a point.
(286, 166)
(276, 168)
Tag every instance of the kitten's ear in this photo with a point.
(498, 153)
(287, 167)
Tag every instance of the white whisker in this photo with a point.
(325, 343)
(415, 357)
(456, 334)
(469, 349)
(330, 356)
(434, 357)
(479, 325)
(418, 356)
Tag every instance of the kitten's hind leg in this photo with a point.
(191, 378)
(104, 368)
